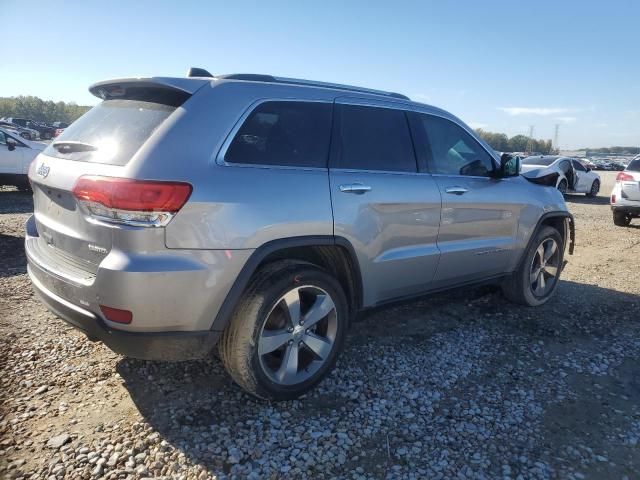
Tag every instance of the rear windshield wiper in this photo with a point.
(70, 147)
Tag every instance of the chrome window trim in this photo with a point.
(219, 158)
(386, 172)
(406, 106)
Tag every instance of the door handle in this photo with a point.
(456, 190)
(357, 188)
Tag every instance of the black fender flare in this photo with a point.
(242, 280)
(569, 233)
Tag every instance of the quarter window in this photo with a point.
(284, 133)
(453, 150)
(372, 138)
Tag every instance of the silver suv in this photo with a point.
(261, 214)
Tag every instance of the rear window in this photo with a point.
(539, 160)
(113, 131)
(634, 165)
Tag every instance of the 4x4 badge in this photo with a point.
(43, 170)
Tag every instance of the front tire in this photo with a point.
(595, 188)
(286, 332)
(535, 281)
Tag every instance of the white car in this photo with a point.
(573, 176)
(16, 154)
(625, 197)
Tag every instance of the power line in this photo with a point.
(530, 142)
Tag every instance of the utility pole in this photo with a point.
(530, 142)
(555, 139)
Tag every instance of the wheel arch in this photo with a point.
(334, 254)
(562, 221)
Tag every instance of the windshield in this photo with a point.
(115, 129)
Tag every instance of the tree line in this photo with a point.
(34, 108)
(519, 143)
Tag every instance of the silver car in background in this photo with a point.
(261, 214)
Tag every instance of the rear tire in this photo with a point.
(621, 219)
(595, 188)
(536, 279)
(276, 350)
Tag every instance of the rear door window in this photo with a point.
(111, 132)
(373, 138)
(283, 133)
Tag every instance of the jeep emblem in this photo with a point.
(43, 170)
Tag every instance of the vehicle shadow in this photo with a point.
(583, 199)
(12, 257)
(188, 402)
(15, 201)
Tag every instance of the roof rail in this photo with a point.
(255, 77)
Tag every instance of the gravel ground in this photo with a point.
(455, 385)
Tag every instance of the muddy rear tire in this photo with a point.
(286, 332)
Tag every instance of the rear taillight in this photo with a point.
(624, 177)
(143, 203)
(613, 198)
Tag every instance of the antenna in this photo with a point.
(555, 138)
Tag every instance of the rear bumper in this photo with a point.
(172, 346)
(173, 295)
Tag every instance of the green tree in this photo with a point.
(35, 108)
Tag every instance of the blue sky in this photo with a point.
(500, 65)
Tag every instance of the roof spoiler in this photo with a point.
(148, 89)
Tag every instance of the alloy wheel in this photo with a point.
(298, 335)
(545, 268)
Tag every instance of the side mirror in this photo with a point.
(509, 165)
(11, 144)
(588, 169)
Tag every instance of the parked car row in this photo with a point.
(32, 130)
(608, 164)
